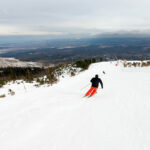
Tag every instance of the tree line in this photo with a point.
(42, 75)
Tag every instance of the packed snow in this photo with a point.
(58, 117)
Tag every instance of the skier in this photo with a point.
(104, 72)
(95, 83)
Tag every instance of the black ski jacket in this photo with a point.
(95, 82)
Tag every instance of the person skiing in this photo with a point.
(95, 83)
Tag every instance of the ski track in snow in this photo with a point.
(59, 118)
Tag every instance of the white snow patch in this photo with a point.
(12, 62)
(58, 118)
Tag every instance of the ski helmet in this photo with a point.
(96, 76)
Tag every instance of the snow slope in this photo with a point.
(59, 118)
(12, 62)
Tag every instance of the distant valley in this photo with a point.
(69, 50)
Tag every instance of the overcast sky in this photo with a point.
(73, 16)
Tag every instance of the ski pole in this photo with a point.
(24, 87)
(85, 86)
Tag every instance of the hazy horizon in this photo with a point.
(65, 17)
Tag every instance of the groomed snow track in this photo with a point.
(59, 118)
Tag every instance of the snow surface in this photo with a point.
(59, 118)
(12, 62)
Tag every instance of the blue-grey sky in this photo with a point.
(60, 17)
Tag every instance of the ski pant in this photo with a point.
(91, 91)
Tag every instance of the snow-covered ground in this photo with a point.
(12, 62)
(59, 118)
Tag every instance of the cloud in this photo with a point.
(13, 30)
(3, 12)
(73, 16)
